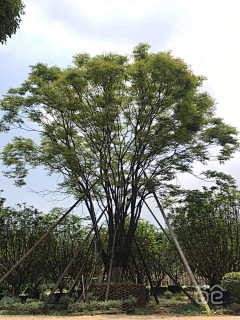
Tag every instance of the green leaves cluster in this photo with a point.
(20, 229)
(208, 227)
(10, 18)
(231, 282)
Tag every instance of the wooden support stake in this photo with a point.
(24, 257)
(170, 276)
(81, 269)
(146, 269)
(184, 260)
(170, 240)
(110, 267)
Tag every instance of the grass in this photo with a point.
(187, 309)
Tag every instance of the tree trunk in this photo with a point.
(116, 274)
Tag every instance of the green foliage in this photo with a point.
(140, 311)
(187, 309)
(20, 228)
(66, 300)
(106, 305)
(32, 307)
(206, 223)
(90, 297)
(131, 300)
(168, 294)
(10, 18)
(8, 302)
(94, 305)
(231, 282)
(76, 307)
(14, 305)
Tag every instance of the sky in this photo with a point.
(205, 33)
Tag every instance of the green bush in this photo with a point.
(31, 307)
(140, 311)
(110, 304)
(231, 282)
(168, 294)
(76, 307)
(90, 297)
(14, 304)
(7, 303)
(66, 300)
(94, 305)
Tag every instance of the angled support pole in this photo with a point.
(82, 266)
(136, 267)
(169, 239)
(24, 257)
(73, 258)
(110, 267)
(89, 279)
(81, 269)
(130, 272)
(169, 274)
(146, 269)
(184, 260)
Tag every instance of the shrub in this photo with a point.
(7, 303)
(110, 304)
(52, 299)
(90, 297)
(94, 305)
(33, 307)
(140, 311)
(168, 294)
(14, 304)
(66, 300)
(231, 282)
(76, 307)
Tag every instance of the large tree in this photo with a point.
(10, 18)
(105, 119)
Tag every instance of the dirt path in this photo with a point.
(124, 317)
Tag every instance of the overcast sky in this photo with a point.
(205, 33)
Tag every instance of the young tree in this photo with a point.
(10, 18)
(106, 118)
(207, 225)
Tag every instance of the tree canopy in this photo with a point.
(10, 18)
(106, 118)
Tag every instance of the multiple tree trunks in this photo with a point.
(121, 291)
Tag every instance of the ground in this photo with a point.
(124, 317)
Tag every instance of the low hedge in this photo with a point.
(231, 282)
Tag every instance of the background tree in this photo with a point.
(170, 259)
(207, 224)
(149, 240)
(10, 18)
(19, 230)
(106, 118)
(65, 240)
